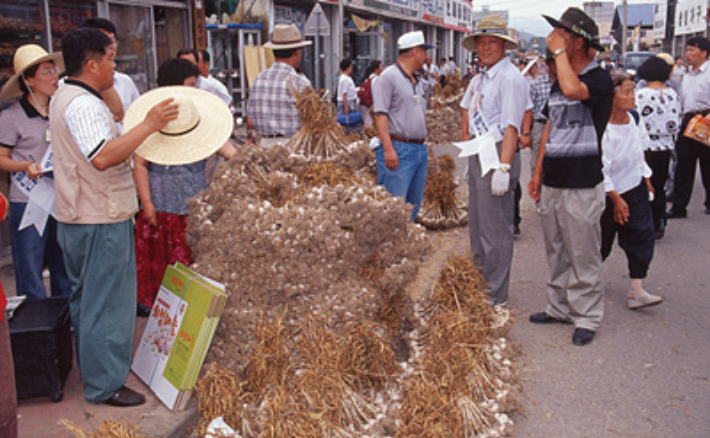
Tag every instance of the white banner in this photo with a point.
(659, 20)
(433, 11)
(40, 193)
(691, 16)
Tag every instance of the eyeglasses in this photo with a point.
(49, 72)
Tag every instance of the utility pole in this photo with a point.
(624, 29)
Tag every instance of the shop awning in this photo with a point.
(363, 24)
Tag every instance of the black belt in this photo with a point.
(406, 139)
(541, 120)
(272, 136)
(691, 114)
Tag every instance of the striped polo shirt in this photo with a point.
(24, 131)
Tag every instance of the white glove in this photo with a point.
(501, 180)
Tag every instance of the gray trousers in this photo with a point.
(490, 226)
(572, 230)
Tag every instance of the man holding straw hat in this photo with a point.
(493, 108)
(569, 166)
(271, 109)
(96, 203)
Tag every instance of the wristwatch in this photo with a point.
(525, 134)
(559, 51)
(504, 167)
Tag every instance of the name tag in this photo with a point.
(48, 136)
(417, 99)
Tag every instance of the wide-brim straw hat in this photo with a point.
(493, 25)
(578, 22)
(286, 36)
(25, 57)
(204, 124)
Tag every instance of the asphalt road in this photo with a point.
(647, 373)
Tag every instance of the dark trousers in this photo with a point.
(518, 197)
(688, 153)
(659, 162)
(637, 236)
(8, 397)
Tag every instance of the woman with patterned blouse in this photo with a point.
(661, 113)
(164, 192)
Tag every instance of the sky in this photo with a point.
(525, 15)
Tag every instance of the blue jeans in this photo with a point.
(409, 180)
(30, 252)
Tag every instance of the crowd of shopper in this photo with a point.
(602, 152)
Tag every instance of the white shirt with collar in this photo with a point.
(695, 89)
(126, 89)
(214, 86)
(500, 93)
(622, 156)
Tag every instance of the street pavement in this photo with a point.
(647, 373)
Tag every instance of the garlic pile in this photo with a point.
(442, 207)
(463, 383)
(281, 246)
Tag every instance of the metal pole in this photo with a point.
(48, 27)
(317, 50)
(625, 29)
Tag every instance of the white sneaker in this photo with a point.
(643, 299)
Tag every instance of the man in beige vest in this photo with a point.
(96, 203)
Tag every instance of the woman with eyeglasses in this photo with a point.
(24, 140)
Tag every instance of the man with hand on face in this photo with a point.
(96, 204)
(400, 118)
(493, 108)
(124, 90)
(569, 166)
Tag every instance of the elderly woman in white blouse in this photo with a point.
(628, 188)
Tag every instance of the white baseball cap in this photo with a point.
(411, 40)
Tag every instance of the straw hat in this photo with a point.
(25, 57)
(577, 21)
(286, 36)
(493, 25)
(203, 125)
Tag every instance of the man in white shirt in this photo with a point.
(493, 108)
(208, 82)
(452, 65)
(695, 97)
(347, 92)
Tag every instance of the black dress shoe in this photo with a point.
(582, 336)
(125, 397)
(660, 232)
(142, 310)
(676, 214)
(544, 318)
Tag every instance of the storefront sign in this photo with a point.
(198, 25)
(290, 14)
(457, 15)
(407, 8)
(659, 20)
(691, 16)
(433, 11)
